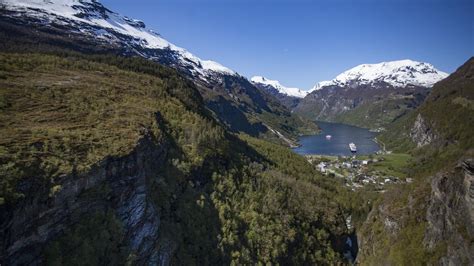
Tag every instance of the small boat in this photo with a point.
(328, 137)
(352, 147)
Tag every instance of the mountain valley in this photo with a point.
(121, 148)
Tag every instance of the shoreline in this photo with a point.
(380, 143)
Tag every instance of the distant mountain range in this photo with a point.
(290, 97)
(368, 95)
(275, 84)
(401, 73)
(371, 95)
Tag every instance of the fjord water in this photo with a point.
(342, 135)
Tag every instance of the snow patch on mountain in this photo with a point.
(399, 73)
(295, 92)
(94, 14)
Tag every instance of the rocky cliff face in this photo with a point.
(119, 185)
(450, 215)
(421, 133)
(432, 222)
(429, 221)
(371, 95)
(366, 105)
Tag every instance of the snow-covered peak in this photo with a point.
(399, 73)
(95, 15)
(295, 92)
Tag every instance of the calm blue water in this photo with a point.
(342, 135)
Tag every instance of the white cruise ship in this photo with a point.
(352, 147)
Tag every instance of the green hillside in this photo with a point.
(447, 115)
(427, 221)
(236, 103)
(243, 200)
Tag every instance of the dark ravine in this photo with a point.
(124, 188)
(348, 246)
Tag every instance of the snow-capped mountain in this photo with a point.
(294, 92)
(92, 18)
(371, 95)
(399, 73)
(88, 27)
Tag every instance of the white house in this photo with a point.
(322, 167)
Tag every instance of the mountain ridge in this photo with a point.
(88, 25)
(371, 95)
(289, 97)
(97, 15)
(435, 224)
(289, 91)
(399, 73)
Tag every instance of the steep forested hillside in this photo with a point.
(443, 123)
(430, 220)
(239, 105)
(111, 160)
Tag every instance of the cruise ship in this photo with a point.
(352, 147)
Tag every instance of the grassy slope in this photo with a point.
(260, 201)
(394, 164)
(66, 114)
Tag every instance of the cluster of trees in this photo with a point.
(96, 240)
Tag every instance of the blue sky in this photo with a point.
(302, 42)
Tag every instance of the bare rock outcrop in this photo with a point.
(421, 133)
(450, 215)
